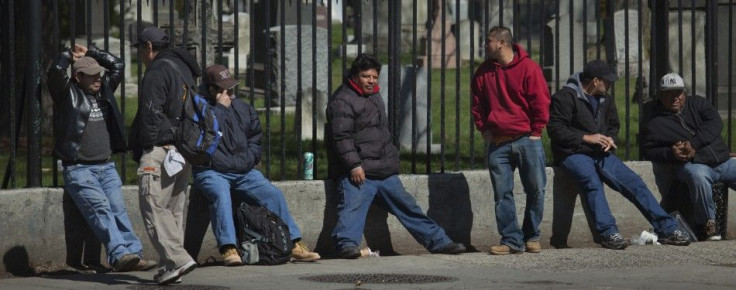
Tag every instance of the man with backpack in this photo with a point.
(232, 169)
(364, 164)
(88, 128)
(162, 189)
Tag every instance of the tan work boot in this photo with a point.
(230, 256)
(503, 250)
(533, 247)
(301, 253)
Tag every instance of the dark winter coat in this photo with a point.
(240, 145)
(697, 122)
(159, 99)
(572, 116)
(357, 134)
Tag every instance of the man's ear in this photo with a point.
(75, 77)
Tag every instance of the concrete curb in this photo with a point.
(32, 230)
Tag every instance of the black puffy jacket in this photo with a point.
(357, 135)
(159, 99)
(72, 108)
(697, 122)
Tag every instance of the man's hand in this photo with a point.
(357, 176)
(606, 143)
(78, 51)
(683, 150)
(223, 98)
(488, 136)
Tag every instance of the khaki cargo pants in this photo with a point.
(162, 198)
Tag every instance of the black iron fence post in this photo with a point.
(711, 51)
(394, 67)
(33, 94)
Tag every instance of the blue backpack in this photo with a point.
(198, 133)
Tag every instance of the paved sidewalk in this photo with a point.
(710, 265)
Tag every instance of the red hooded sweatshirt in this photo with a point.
(510, 99)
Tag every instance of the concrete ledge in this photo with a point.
(32, 220)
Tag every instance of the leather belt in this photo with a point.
(498, 140)
(86, 162)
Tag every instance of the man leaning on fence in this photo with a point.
(162, 192)
(583, 127)
(88, 128)
(232, 170)
(684, 141)
(364, 163)
(510, 107)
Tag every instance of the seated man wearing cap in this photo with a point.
(88, 128)
(583, 126)
(684, 140)
(232, 169)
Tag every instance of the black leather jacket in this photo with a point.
(72, 109)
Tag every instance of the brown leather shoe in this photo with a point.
(503, 250)
(533, 247)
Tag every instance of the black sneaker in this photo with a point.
(452, 248)
(676, 237)
(614, 241)
(348, 253)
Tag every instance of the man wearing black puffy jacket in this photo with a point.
(684, 142)
(232, 170)
(364, 164)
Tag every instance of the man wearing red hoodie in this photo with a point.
(511, 108)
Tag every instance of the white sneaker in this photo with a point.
(172, 275)
(713, 238)
(160, 272)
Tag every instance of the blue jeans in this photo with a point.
(96, 189)
(699, 179)
(252, 188)
(354, 202)
(528, 155)
(592, 171)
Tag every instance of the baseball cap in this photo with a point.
(220, 76)
(599, 69)
(152, 34)
(671, 82)
(87, 65)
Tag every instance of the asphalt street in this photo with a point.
(709, 265)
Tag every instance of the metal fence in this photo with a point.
(290, 55)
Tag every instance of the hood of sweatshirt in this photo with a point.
(185, 56)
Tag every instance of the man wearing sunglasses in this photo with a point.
(583, 126)
(684, 142)
(233, 169)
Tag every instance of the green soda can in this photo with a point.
(308, 165)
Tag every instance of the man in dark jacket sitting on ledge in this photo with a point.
(232, 170)
(583, 124)
(364, 163)
(684, 142)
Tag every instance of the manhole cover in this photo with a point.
(727, 265)
(378, 278)
(544, 282)
(176, 286)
